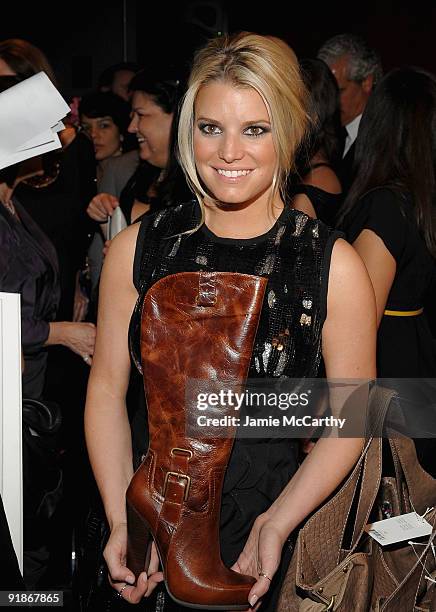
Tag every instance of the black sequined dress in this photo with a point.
(295, 256)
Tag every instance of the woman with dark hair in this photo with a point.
(156, 96)
(388, 216)
(104, 118)
(315, 181)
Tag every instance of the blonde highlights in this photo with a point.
(270, 67)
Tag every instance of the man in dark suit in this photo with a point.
(357, 69)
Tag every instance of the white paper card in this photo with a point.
(27, 109)
(37, 141)
(116, 223)
(11, 475)
(399, 528)
(58, 127)
(45, 146)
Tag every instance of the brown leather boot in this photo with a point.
(200, 326)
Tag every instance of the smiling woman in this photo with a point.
(235, 283)
(152, 125)
(233, 144)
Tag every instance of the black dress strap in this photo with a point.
(144, 221)
(326, 204)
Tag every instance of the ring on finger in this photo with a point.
(120, 592)
(86, 358)
(264, 575)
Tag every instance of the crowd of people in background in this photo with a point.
(367, 166)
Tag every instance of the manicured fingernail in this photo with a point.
(144, 578)
(253, 600)
(130, 579)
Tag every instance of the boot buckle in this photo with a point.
(180, 476)
(181, 451)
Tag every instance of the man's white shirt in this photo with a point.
(352, 129)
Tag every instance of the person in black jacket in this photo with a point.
(357, 69)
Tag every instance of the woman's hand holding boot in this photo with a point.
(261, 556)
(120, 577)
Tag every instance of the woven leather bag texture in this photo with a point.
(323, 575)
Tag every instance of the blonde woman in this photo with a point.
(194, 266)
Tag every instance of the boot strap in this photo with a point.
(176, 488)
(207, 289)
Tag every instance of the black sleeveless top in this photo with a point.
(295, 256)
(325, 203)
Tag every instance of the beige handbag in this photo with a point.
(366, 577)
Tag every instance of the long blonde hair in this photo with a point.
(269, 66)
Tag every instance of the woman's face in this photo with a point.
(104, 134)
(152, 127)
(233, 144)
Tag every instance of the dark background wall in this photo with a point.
(82, 38)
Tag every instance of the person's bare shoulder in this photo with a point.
(324, 178)
(350, 329)
(346, 262)
(349, 282)
(118, 262)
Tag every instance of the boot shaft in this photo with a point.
(195, 327)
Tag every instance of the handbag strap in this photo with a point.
(331, 519)
(378, 405)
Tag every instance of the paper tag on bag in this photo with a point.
(399, 528)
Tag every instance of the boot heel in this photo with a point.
(139, 542)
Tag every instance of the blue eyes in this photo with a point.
(210, 129)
